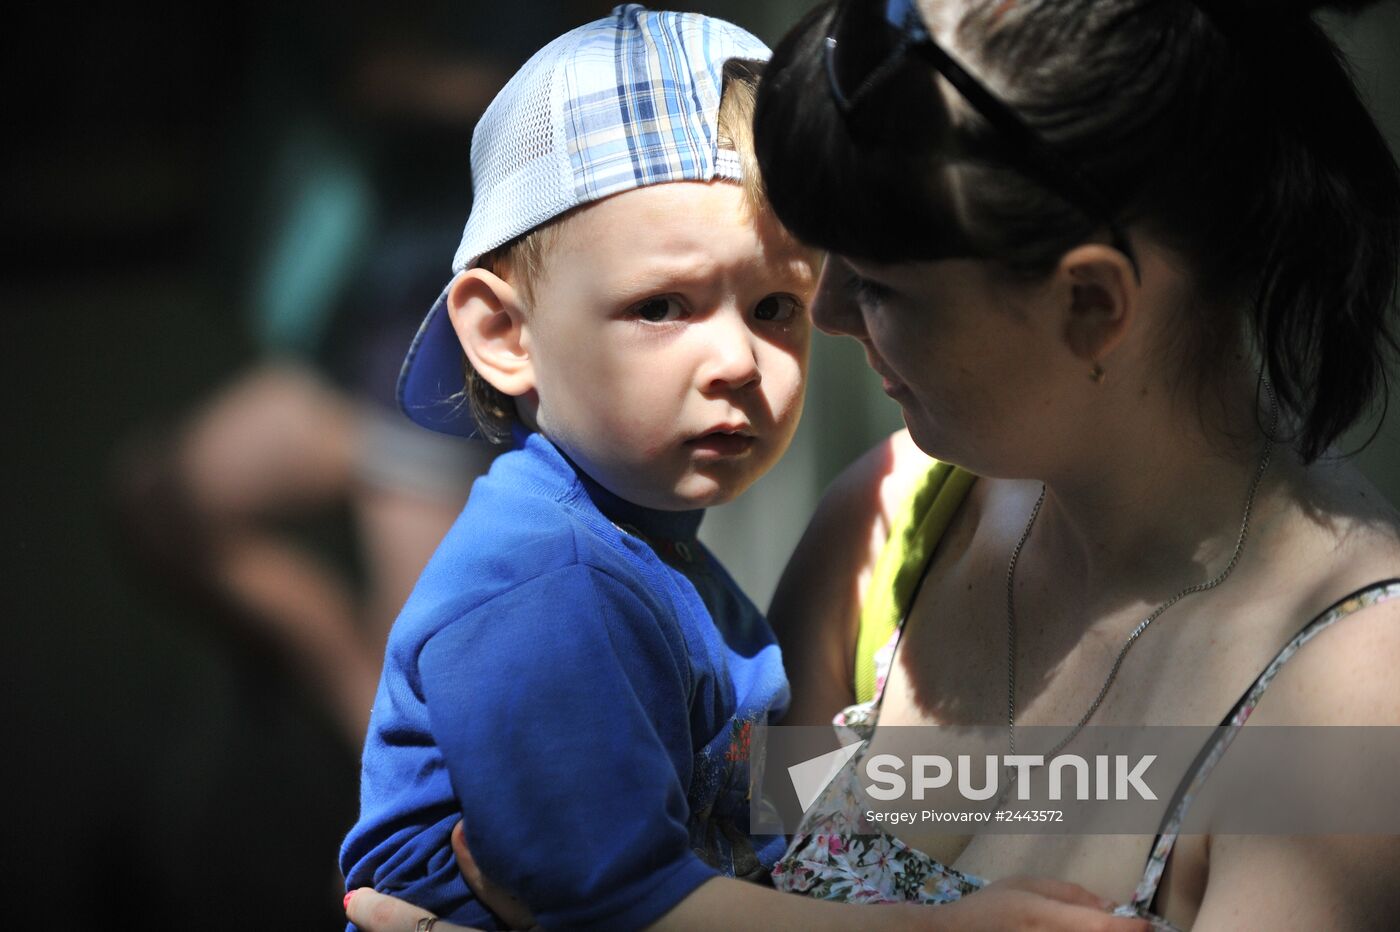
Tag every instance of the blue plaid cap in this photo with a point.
(626, 101)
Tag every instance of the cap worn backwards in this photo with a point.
(625, 101)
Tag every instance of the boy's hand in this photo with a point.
(514, 913)
(1036, 904)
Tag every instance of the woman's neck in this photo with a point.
(1162, 505)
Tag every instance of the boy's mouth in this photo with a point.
(722, 441)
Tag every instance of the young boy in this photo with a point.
(575, 676)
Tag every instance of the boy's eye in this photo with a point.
(659, 310)
(776, 307)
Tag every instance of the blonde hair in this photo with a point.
(522, 260)
(735, 126)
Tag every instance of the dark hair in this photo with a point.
(1229, 130)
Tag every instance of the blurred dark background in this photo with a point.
(166, 769)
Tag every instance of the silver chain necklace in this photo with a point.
(1142, 625)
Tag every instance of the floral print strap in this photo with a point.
(1191, 785)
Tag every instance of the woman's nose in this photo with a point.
(833, 309)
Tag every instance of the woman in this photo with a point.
(1127, 263)
(1135, 275)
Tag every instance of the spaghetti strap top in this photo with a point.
(914, 533)
(1195, 777)
(837, 854)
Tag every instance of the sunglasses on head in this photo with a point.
(871, 40)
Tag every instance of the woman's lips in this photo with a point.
(891, 385)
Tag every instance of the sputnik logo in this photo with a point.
(810, 777)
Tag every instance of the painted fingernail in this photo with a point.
(347, 900)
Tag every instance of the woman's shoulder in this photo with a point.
(1341, 543)
(1337, 670)
(817, 605)
(852, 521)
(878, 484)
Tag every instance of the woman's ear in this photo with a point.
(489, 319)
(1103, 294)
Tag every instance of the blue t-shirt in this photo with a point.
(580, 703)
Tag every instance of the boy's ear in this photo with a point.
(489, 319)
(1102, 291)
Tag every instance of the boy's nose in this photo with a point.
(833, 310)
(731, 361)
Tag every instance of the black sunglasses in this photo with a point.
(866, 46)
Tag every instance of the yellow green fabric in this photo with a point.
(915, 531)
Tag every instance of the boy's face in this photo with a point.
(668, 342)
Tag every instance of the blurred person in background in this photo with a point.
(360, 198)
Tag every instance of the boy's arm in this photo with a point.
(561, 709)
